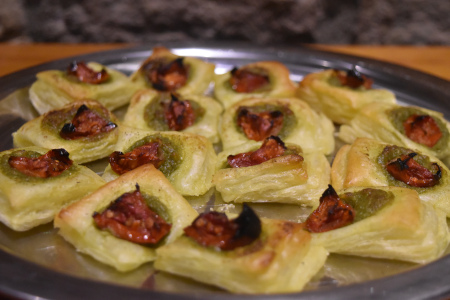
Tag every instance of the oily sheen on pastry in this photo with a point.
(76, 222)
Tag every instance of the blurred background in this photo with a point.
(263, 22)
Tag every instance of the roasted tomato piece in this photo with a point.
(179, 114)
(354, 79)
(332, 213)
(259, 125)
(245, 81)
(214, 229)
(272, 147)
(51, 164)
(422, 129)
(166, 75)
(146, 154)
(130, 218)
(85, 123)
(85, 74)
(409, 171)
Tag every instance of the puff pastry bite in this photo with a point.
(253, 120)
(86, 129)
(54, 89)
(412, 127)
(369, 162)
(255, 80)
(274, 172)
(276, 257)
(197, 114)
(35, 183)
(187, 160)
(166, 72)
(99, 225)
(381, 222)
(340, 94)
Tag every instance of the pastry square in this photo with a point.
(148, 108)
(46, 131)
(389, 223)
(299, 124)
(187, 160)
(166, 72)
(364, 163)
(271, 77)
(76, 223)
(27, 201)
(54, 89)
(325, 93)
(401, 125)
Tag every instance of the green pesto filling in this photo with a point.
(18, 176)
(333, 80)
(54, 121)
(289, 120)
(367, 202)
(393, 152)
(159, 208)
(399, 115)
(154, 113)
(170, 152)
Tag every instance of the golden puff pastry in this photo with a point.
(55, 89)
(275, 83)
(56, 129)
(166, 72)
(293, 177)
(325, 93)
(188, 160)
(76, 223)
(299, 124)
(389, 122)
(148, 108)
(390, 223)
(364, 164)
(27, 201)
(281, 260)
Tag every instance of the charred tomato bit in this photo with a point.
(130, 218)
(354, 79)
(246, 81)
(178, 114)
(85, 74)
(422, 129)
(214, 229)
(85, 123)
(259, 125)
(332, 213)
(146, 154)
(409, 171)
(166, 75)
(51, 164)
(272, 147)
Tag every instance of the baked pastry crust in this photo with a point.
(281, 85)
(27, 201)
(281, 179)
(54, 89)
(373, 122)
(43, 131)
(405, 229)
(77, 226)
(200, 73)
(197, 159)
(205, 126)
(281, 260)
(312, 131)
(357, 165)
(337, 102)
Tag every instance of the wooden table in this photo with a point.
(432, 60)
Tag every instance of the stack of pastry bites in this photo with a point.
(259, 138)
